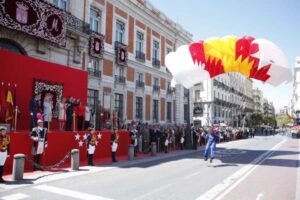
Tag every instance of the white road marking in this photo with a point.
(232, 181)
(195, 174)
(259, 196)
(70, 193)
(298, 176)
(17, 196)
(153, 191)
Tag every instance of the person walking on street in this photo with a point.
(212, 139)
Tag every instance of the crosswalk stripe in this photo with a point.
(17, 196)
(70, 193)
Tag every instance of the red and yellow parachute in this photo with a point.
(255, 58)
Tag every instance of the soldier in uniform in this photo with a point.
(4, 149)
(133, 138)
(91, 145)
(114, 144)
(39, 137)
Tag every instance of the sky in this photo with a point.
(274, 20)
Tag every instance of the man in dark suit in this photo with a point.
(34, 108)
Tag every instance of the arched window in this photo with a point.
(11, 46)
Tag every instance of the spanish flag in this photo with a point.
(10, 106)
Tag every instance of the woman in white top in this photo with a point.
(62, 113)
(87, 116)
(47, 111)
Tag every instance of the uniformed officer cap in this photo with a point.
(91, 128)
(3, 128)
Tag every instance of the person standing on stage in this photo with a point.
(34, 108)
(62, 113)
(47, 110)
(39, 137)
(4, 149)
(91, 145)
(87, 116)
(69, 113)
(212, 140)
(80, 111)
(114, 144)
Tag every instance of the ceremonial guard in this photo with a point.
(133, 137)
(4, 149)
(114, 144)
(39, 137)
(91, 145)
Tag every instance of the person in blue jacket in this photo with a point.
(211, 141)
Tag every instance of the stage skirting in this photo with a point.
(60, 143)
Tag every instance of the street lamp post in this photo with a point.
(188, 125)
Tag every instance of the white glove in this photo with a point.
(46, 145)
(36, 139)
(31, 114)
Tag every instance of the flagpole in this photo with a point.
(16, 118)
(16, 110)
(74, 123)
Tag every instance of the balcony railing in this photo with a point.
(77, 25)
(140, 84)
(170, 90)
(156, 88)
(155, 62)
(140, 56)
(95, 73)
(120, 79)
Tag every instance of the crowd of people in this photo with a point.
(175, 137)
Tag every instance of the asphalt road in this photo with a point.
(259, 168)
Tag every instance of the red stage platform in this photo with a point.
(60, 143)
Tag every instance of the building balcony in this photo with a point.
(140, 84)
(95, 73)
(120, 79)
(197, 100)
(77, 25)
(156, 62)
(156, 88)
(140, 56)
(170, 90)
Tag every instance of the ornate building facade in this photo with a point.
(121, 44)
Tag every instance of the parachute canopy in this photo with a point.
(255, 58)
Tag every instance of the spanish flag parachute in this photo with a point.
(255, 58)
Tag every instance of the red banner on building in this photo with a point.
(37, 18)
(96, 45)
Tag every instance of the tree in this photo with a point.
(283, 120)
(256, 119)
